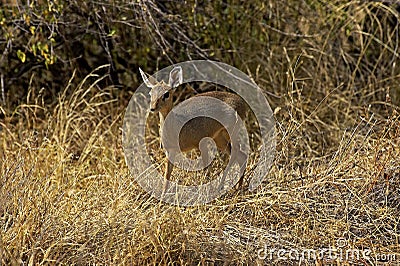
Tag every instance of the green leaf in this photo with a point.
(21, 55)
(112, 33)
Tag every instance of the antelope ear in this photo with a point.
(175, 77)
(148, 80)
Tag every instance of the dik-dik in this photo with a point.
(197, 128)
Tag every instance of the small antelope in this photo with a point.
(196, 129)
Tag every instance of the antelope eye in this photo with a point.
(166, 95)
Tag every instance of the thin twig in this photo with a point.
(3, 95)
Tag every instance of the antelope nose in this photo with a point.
(152, 109)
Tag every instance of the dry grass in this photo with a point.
(67, 197)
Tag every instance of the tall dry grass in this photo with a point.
(330, 71)
(67, 196)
